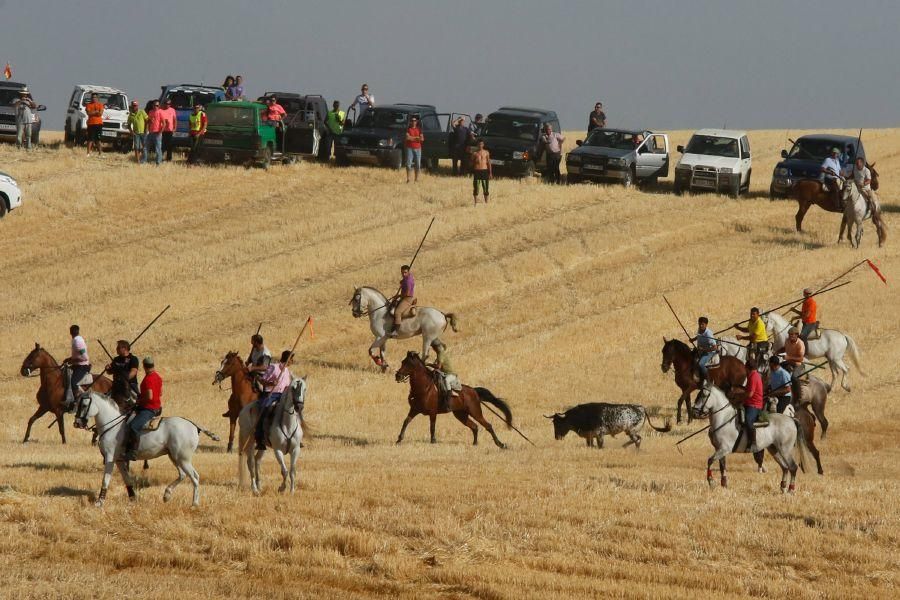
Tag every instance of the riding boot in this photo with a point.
(445, 401)
(131, 442)
(751, 439)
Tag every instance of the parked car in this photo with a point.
(626, 156)
(304, 121)
(716, 160)
(184, 96)
(378, 136)
(115, 116)
(804, 161)
(235, 132)
(511, 135)
(10, 194)
(9, 93)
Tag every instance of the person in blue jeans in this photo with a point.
(413, 145)
(707, 347)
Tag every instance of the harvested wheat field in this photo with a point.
(559, 293)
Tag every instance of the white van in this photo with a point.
(715, 160)
(115, 117)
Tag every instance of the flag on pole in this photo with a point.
(312, 334)
(7, 72)
(877, 272)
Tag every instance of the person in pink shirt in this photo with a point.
(169, 124)
(275, 380)
(154, 130)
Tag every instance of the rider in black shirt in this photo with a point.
(124, 371)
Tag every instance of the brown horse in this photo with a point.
(809, 192)
(729, 372)
(424, 396)
(51, 394)
(242, 392)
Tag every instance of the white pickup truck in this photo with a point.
(115, 116)
(715, 160)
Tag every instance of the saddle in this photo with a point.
(761, 421)
(410, 312)
(153, 425)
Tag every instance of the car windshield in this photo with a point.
(187, 99)
(813, 149)
(110, 100)
(230, 116)
(713, 145)
(8, 96)
(383, 119)
(519, 129)
(604, 138)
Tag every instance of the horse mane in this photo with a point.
(679, 344)
(372, 289)
(38, 350)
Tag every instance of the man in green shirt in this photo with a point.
(448, 381)
(334, 126)
(137, 125)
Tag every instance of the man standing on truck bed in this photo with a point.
(597, 118)
(363, 101)
(94, 110)
(334, 126)
(481, 172)
(552, 144)
(169, 124)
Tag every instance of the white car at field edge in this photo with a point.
(715, 160)
(10, 194)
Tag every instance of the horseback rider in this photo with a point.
(124, 371)
(258, 360)
(405, 299)
(707, 347)
(831, 176)
(794, 356)
(78, 362)
(862, 177)
(448, 381)
(753, 403)
(275, 380)
(807, 314)
(780, 384)
(149, 406)
(758, 347)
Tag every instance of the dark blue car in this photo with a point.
(184, 96)
(804, 161)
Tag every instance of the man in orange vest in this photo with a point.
(808, 315)
(197, 123)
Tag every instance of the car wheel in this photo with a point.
(628, 181)
(572, 179)
(529, 170)
(677, 189)
(735, 189)
(3, 210)
(79, 135)
(68, 138)
(266, 159)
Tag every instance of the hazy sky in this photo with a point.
(664, 65)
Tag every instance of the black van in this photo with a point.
(511, 135)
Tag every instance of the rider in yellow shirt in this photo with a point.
(758, 338)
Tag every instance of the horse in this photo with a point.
(175, 437)
(242, 392)
(284, 436)
(730, 346)
(428, 322)
(809, 192)
(779, 437)
(424, 395)
(856, 210)
(675, 353)
(51, 394)
(831, 344)
(814, 396)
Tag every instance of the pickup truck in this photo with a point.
(9, 93)
(715, 160)
(115, 116)
(184, 96)
(626, 156)
(804, 161)
(511, 135)
(377, 136)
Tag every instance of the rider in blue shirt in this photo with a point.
(707, 346)
(779, 386)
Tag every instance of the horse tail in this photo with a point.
(800, 443)
(664, 429)
(854, 353)
(205, 432)
(452, 321)
(485, 395)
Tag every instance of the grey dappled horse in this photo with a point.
(856, 210)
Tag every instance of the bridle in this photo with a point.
(82, 409)
(356, 305)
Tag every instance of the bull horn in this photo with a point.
(548, 417)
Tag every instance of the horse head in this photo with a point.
(230, 365)
(356, 303)
(701, 406)
(85, 409)
(298, 389)
(36, 359)
(412, 363)
(669, 353)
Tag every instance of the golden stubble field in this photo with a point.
(559, 294)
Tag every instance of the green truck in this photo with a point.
(236, 133)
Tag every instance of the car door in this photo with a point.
(653, 156)
(436, 137)
(746, 164)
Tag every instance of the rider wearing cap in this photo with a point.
(707, 347)
(753, 402)
(149, 406)
(405, 299)
(756, 335)
(779, 386)
(808, 315)
(259, 360)
(831, 176)
(275, 380)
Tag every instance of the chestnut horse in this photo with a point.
(729, 372)
(242, 392)
(51, 394)
(424, 396)
(808, 192)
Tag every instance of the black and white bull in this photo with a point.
(596, 419)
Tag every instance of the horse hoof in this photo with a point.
(724, 482)
(282, 488)
(167, 496)
(99, 503)
(791, 489)
(761, 469)
(433, 441)
(711, 482)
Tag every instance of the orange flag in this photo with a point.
(7, 72)
(312, 334)
(877, 272)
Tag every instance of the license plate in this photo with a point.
(495, 161)
(210, 142)
(594, 167)
(180, 134)
(6, 127)
(359, 153)
(110, 133)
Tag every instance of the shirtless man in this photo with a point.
(481, 172)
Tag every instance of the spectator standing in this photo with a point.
(137, 125)
(334, 126)
(236, 91)
(476, 127)
(154, 131)
(414, 139)
(459, 145)
(482, 172)
(597, 118)
(169, 125)
(226, 86)
(197, 124)
(552, 144)
(363, 102)
(25, 108)
(94, 110)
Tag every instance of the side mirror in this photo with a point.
(41, 107)
(579, 142)
(680, 149)
(784, 154)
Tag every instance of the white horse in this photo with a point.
(284, 436)
(175, 437)
(730, 346)
(832, 344)
(779, 437)
(856, 210)
(428, 322)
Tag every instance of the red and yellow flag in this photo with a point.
(7, 72)
(877, 272)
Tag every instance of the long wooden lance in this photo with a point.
(771, 310)
(168, 306)
(411, 263)
(511, 426)
(839, 277)
(258, 329)
(679, 320)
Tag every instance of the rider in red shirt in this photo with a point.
(149, 405)
(753, 403)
